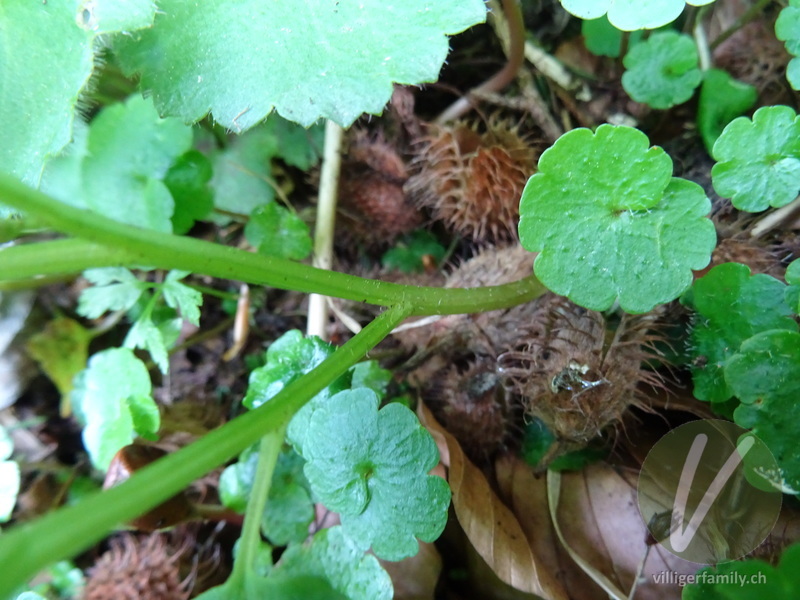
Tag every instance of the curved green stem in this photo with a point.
(71, 530)
(268, 451)
(132, 246)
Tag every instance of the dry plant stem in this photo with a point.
(326, 220)
(516, 55)
(701, 41)
(776, 218)
(752, 13)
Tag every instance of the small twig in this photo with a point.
(771, 220)
(326, 218)
(516, 55)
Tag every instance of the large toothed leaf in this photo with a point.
(239, 60)
(610, 221)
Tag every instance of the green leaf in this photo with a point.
(629, 15)
(187, 301)
(61, 349)
(758, 161)
(306, 60)
(407, 255)
(662, 70)
(9, 477)
(787, 29)
(333, 556)
(256, 587)
(731, 306)
(112, 397)
(372, 467)
(370, 375)
(722, 98)
(145, 335)
(603, 39)
(242, 172)
(113, 288)
(47, 60)
(275, 231)
(793, 291)
(765, 376)
(288, 358)
(117, 167)
(289, 510)
(130, 150)
(611, 223)
(187, 181)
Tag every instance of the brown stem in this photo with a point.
(516, 55)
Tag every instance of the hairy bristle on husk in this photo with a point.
(473, 181)
(575, 380)
(138, 568)
(373, 207)
(471, 404)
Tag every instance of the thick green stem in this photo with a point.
(268, 452)
(132, 246)
(27, 549)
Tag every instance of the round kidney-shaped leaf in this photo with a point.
(758, 160)
(662, 71)
(610, 222)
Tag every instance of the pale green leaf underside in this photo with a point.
(759, 161)
(333, 59)
(371, 467)
(46, 57)
(611, 223)
(45, 60)
(630, 15)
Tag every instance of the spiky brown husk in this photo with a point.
(138, 568)
(574, 379)
(472, 181)
(488, 333)
(373, 206)
(472, 405)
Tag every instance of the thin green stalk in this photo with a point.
(269, 449)
(128, 245)
(72, 529)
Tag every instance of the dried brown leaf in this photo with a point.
(491, 527)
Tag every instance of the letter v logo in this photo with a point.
(681, 537)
